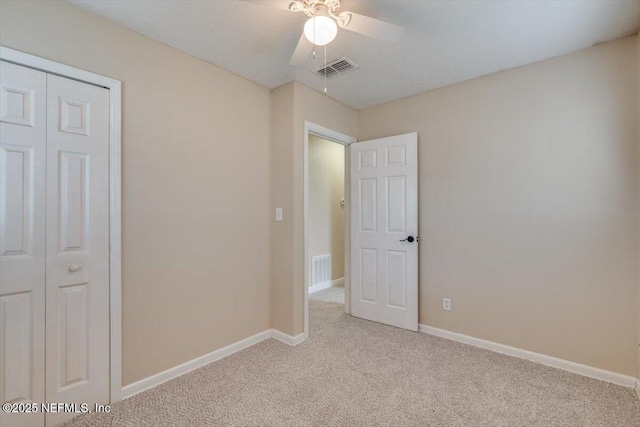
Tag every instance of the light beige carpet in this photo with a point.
(351, 372)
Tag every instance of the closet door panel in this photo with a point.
(22, 240)
(77, 360)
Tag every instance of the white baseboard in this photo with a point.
(198, 362)
(326, 285)
(576, 368)
(288, 339)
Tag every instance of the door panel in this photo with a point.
(73, 202)
(384, 184)
(77, 356)
(397, 278)
(369, 274)
(396, 204)
(368, 214)
(74, 321)
(22, 239)
(17, 174)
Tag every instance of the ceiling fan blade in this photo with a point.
(280, 4)
(303, 49)
(370, 27)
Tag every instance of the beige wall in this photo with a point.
(187, 233)
(528, 204)
(288, 161)
(326, 214)
(282, 197)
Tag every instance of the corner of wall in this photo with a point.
(638, 201)
(281, 175)
(291, 105)
(312, 106)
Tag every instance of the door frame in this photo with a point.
(342, 139)
(115, 200)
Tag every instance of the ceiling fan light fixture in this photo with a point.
(320, 30)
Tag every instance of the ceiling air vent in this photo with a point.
(337, 67)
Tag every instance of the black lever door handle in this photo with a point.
(409, 239)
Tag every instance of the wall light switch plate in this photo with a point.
(446, 304)
(278, 214)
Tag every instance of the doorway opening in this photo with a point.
(326, 218)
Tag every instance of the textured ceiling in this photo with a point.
(445, 42)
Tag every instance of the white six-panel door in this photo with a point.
(23, 97)
(54, 242)
(77, 271)
(384, 220)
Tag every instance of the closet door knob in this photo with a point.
(74, 267)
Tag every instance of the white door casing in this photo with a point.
(384, 211)
(22, 240)
(77, 253)
(339, 138)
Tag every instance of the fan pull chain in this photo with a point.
(325, 69)
(314, 39)
(313, 53)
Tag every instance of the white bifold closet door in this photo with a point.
(23, 139)
(77, 271)
(54, 207)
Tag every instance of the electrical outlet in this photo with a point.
(446, 304)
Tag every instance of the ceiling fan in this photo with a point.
(325, 18)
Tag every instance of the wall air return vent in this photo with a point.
(337, 68)
(321, 269)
